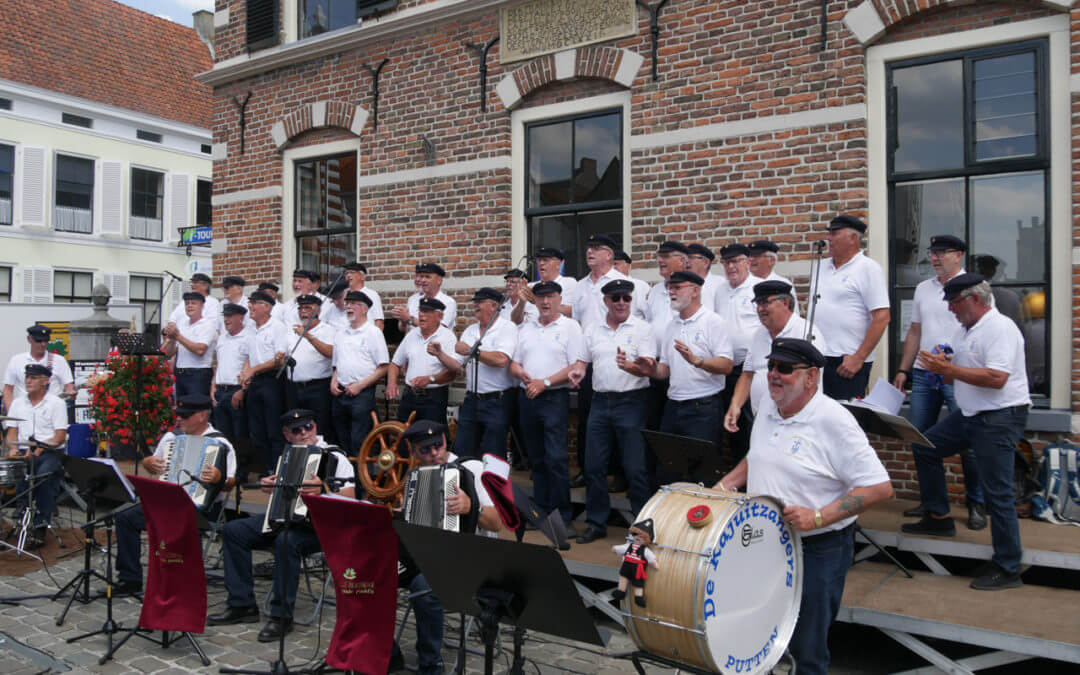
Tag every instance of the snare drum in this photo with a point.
(12, 472)
(726, 594)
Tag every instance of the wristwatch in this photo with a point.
(547, 383)
(818, 521)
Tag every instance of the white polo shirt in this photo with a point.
(204, 331)
(773, 276)
(230, 454)
(248, 321)
(476, 468)
(413, 351)
(993, 342)
(335, 317)
(757, 356)
(588, 306)
(528, 314)
(231, 351)
(634, 336)
(266, 341)
(707, 337)
(40, 421)
(290, 311)
(848, 296)
(736, 305)
(543, 351)
(449, 316)
(358, 352)
(15, 374)
(374, 313)
(310, 364)
(211, 310)
(500, 337)
(929, 309)
(568, 286)
(812, 458)
(709, 291)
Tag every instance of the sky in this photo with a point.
(174, 10)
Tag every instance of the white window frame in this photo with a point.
(74, 270)
(1055, 30)
(12, 297)
(128, 215)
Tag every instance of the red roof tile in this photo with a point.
(106, 52)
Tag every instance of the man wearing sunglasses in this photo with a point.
(807, 451)
(61, 383)
(243, 535)
(192, 419)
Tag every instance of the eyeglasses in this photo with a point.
(761, 302)
(726, 262)
(184, 414)
(678, 286)
(621, 298)
(308, 426)
(786, 368)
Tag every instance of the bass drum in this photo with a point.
(726, 594)
(12, 472)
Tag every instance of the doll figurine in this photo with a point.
(636, 557)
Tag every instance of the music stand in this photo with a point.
(137, 345)
(685, 457)
(495, 580)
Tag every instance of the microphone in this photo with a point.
(176, 278)
(820, 244)
(193, 479)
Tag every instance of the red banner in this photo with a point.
(175, 598)
(361, 550)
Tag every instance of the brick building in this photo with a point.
(756, 119)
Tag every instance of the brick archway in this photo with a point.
(317, 115)
(607, 63)
(869, 20)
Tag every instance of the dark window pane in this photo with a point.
(550, 163)
(922, 210)
(5, 284)
(929, 116)
(203, 207)
(1008, 226)
(1005, 107)
(7, 175)
(569, 232)
(597, 151)
(326, 196)
(1032, 318)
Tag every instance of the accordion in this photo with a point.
(185, 456)
(426, 490)
(296, 465)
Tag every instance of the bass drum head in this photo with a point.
(753, 587)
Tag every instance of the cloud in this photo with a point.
(196, 4)
(166, 17)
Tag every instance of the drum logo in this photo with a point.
(749, 535)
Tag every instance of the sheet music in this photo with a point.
(884, 396)
(116, 469)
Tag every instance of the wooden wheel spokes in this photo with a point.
(383, 460)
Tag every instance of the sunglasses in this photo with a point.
(431, 449)
(308, 426)
(786, 368)
(185, 414)
(621, 298)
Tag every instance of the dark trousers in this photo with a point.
(543, 423)
(265, 399)
(513, 413)
(615, 420)
(584, 403)
(313, 395)
(842, 388)
(130, 524)
(926, 400)
(483, 421)
(429, 404)
(352, 419)
(826, 559)
(696, 418)
(229, 420)
(240, 537)
(429, 627)
(46, 491)
(738, 442)
(193, 380)
(993, 435)
(654, 415)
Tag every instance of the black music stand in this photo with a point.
(495, 580)
(688, 458)
(137, 345)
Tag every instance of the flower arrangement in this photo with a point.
(112, 396)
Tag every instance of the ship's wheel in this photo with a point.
(384, 459)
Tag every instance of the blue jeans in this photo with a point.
(129, 526)
(696, 418)
(193, 381)
(544, 422)
(264, 402)
(352, 419)
(993, 435)
(429, 404)
(482, 424)
(926, 402)
(826, 559)
(429, 628)
(46, 491)
(615, 419)
(240, 537)
(842, 388)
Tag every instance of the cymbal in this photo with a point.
(4, 418)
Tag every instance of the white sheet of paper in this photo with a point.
(885, 396)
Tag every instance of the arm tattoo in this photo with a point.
(851, 504)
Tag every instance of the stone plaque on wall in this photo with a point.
(537, 27)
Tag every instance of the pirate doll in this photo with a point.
(636, 556)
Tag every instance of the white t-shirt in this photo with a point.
(500, 337)
(204, 331)
(634, 336)
(543, 351)
(310, 364)
(707, 337)
(568, 286)
(290, 311)
(230, 352)
(993, 342)
(848, 296)
(335, 317)
(736, 305)
(413, 351)
(15, 375)
(712, 286)
(812, 458)
(40, 421)
(930, 310)
(375, 312)
(358, 352)
(266, 341)
(230, 454)
(588, 306)
(211, 310)
(449, 316)
(757, 356)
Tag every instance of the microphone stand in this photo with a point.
(303, 333)
(161, 301)
(815, 278)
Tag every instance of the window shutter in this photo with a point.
(37, 284)
(175, 293)
(112, 197)
(31, 201)
(178, 196)
(262, 24)
(118, 288)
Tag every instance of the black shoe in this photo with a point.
(233, 615)
(578, 481)
(126, 587)
(996, 579)
(936, 527)
(917, 512)
(397, 662)
(263, 570)
(976, 516)
(591, 534)
(618, 595)
(618, 484)
(274, 628)
(639, 600)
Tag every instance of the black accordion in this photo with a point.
(298, 463)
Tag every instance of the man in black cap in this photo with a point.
(516, 308)
(989, 374)
(428, 354)
(191, 341)
(808, 452)
(549, 265)
(233, 287)
(304, 282)
(308, 382)
(333, 311)
(483, 419)
(277, 311)
(852, 311)
(262, 377)
(932, 327)
(763, 257)
(624, 264)
(230, 354)
(61, 384)
(430, 278)
(243, 535)
(37, 415)
(356, 278)
(193, 419)
(200, 283)
(700, 258)
(671, 256)
(360, 362)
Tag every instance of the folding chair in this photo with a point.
(310, 566)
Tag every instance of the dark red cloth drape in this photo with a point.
(361, 550)
(175, 598)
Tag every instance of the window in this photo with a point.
(5, 284)
(262, 24)
(72, 286)
(203, 207)
(326, 214)
(146, 291)
(206, 148)
(74, 194)
(969, 156)
(147, 136)
(147, 197)
(320, 16)
(7, 182)
(76, 120)
(5, 104)
(574, 183)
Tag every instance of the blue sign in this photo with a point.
(195, 236)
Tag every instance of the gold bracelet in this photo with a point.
(818, 520)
